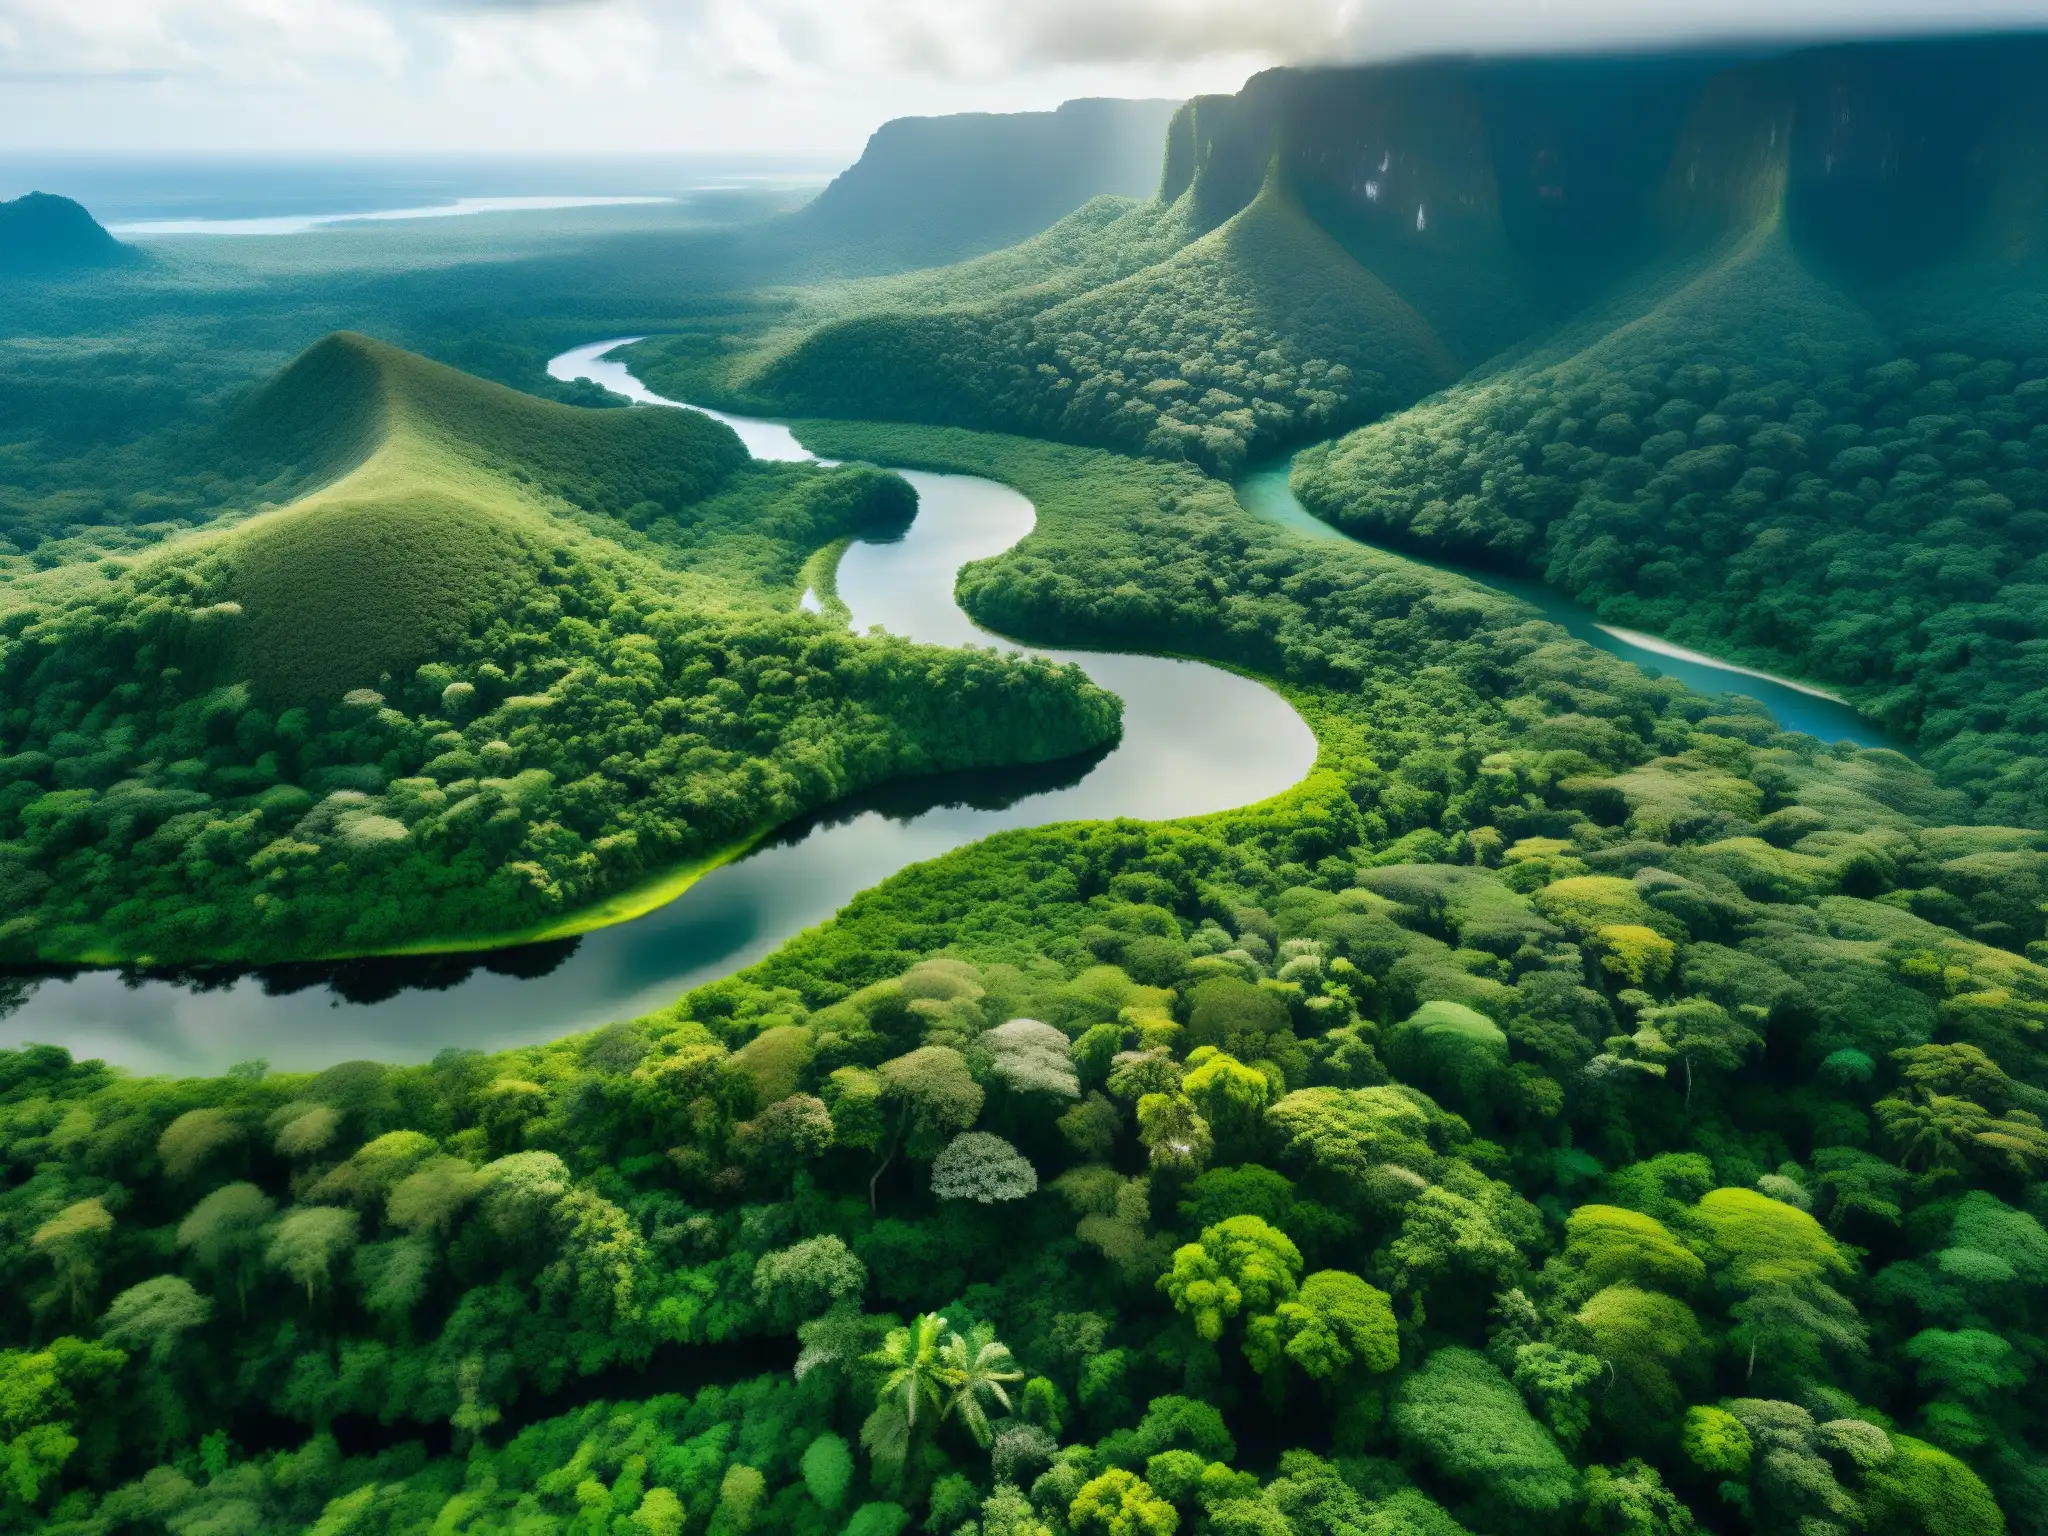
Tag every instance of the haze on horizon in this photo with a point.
(790, 78)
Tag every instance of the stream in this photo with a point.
(1196, 739)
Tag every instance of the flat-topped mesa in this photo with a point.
(1527, 186)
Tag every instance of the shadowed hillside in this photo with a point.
(515, 657)
(928, 190)
(42, 233)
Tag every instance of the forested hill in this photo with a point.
(929, 190)
(42, 233)
(507, 658)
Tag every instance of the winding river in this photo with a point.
(1196, 739)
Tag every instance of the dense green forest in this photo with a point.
(1745, 459)
(512, 658)
(1579, 1106)
(1558, 1115)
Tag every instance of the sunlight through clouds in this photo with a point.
(768, 76)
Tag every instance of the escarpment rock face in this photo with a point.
(44, 233)
(1498, 195)
(946, 188)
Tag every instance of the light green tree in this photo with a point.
(1242, 1264)
(308, 1240)
(71, 1240)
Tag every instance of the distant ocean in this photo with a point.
(250, 196)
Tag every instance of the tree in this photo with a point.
(1240, 1264)
(1444, 1232)
(1753, 1240)
(524, 1197)
(1714, 1440)
(1230, 1095)
(1175, 1136)
(1651, 1344)
(1340, 1135)
(934, 1094)
(1956, 1070)
(308, 1240)
(304, 1130)
(1091, 1127)
(983, 1168)
(1969, 1364)
(1461, 1416)
(1609, 1244)
(43, 1396)
(153, 1316)
(71, 1240)
(1632, 1501)
(1924, 1489)
(1006, 1512)
(1702, 1033)
(913, 1383)
(1789, 1324)
(805, 1279)
(975, 1367)
(225, 1233)
(392, 1277)
(1226, 1011)
(785, 1135)
(1555, 1380)
(1941, 1131)
(430, 1198)
(1335, 1324)
(1451, 1050)
(188, 1141)
(827, 1468)
(1120, 1503)
(1033, 1057)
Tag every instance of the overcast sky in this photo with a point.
(807, 78)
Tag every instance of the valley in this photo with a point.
(1309, 813)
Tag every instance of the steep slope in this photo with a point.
(930, 190)
(1260, 330)
(516, 658)
(42, 233)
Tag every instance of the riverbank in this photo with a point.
(1797, 705)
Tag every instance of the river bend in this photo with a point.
(1196, 739)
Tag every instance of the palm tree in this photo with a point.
(911, 1356)
(974, 1368)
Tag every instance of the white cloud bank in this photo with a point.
(727, 76)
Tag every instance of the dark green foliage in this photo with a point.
(1753, 466)
(1253, 334)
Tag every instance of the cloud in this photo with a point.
(244, 40)
(1396, 28)
(730, 76)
